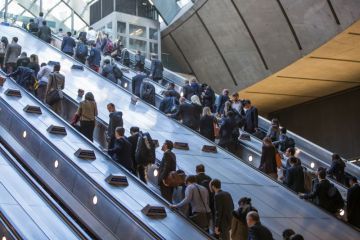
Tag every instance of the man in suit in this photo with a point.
(122, 149)
(115, 120)
(201, 177)
(156, 70)
(251, 117)
(172, 92)
(257, 231)
(189, 114)
(68, 44)
(353, 199)
(294, 178)
(228, 132)
(44, 32)
(223, 208)
(136, 83)
(12, 53)
(187, 90)
(168, 164)
(133, 139)
(168, 104)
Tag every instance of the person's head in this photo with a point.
(171, 86)
(23, 54)
(215, 185)
(134, 130)
(230, 114)
(107, 61)
(252, 218)
(190, 179)
(34, 58)
(187, 82)
(93, 44)
(193, 80)
(15, 39)
(283, 130)
(57, 68)
(41, 14)
(168, 145)
(267, 141)
(247, 104)
(287, 233)
(139, 52)
(206, 111)
(44, 23)
(90, 28)
(182, 100)
(200, 168)
(60, 30)
(275, 122)
(68, 34)
(352, 180)
(195, 99)
(321, 174)
(235, 96)
(154, 57)
(336, 157)
(111, 107)
(293, 161)
(244, 201)
(290, 152)
(43, 64)
(296, 237)
(225, 92)
(119, 132)
(89, 97)
(31, 20)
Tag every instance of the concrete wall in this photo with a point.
(236, 43)
(332, 122)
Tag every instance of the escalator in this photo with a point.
(275, 203)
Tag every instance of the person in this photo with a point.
(91, 36)
(115, 120)
(268, 158)
(287, 233)
(87, 113)
(186, 90)
(108, 71)
(133, 139)
(195, 88)
(353, 199)
(39, 20)
(223, 208)
(321, 192)
(25, 77)
(156, 70)
(294, 178)
(239, 229)
(125, 57)
(118, 47)
(3, 45)
(207, 122)
(201, 177)
(147, 92)
(32, 27)
(56, 82)
(284, 141)
(122, 149)
(43, 78)
(208, 97)
(168, 104)
(229, 132)
(274, 130)
(34, 63)
(82, 37)
(337, 168)
(81, 52)
(60, 34)
(94, 58)
(220, 102)
(167, 165)
(68, 44)
(23, 60)
(137, 80)
(139, 61)
(12, 53)
(107, 45)
(44, 32)
(257, 231)
(198, 198)
(290, 153)
(251, 117)
(172, 92)
(297, 237)
(189, 113)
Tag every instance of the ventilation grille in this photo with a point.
(13, 93)
(77, 67)
(181, 146)
(154, 211)
(85, 154)
(32, 109)
(57, 130)
(117, 180)
(209, 149)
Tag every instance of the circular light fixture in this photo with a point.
(24, 134)
(125, 85)
(182, 93)
(342, 212)
(312, 164)
(156, 173)
(3, 238)
(250, 158)
(95, 200)
(56, 164)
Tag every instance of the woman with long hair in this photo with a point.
(207, 122)
(87, 113)
(268, 158)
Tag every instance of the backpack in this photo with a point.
(337, 202)
(126, 55)
(117, 72)
(145, 149)
(81, 50)
(288, 143)
(147, 92)
(174, 105)
(109, 46)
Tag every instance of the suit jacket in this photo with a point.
(167, 165)
(353, 209)
(12, 53)
(167, 103)
(44, 34)
(207, 127)
(133, 139)
(201, 177)
(136, 83)
(156, 69)
(122, 153)
(259, 232)
(187, 91)
(320, 192)
(68, 44)
(224, 206)
(190, 114)
(251, 120)
(115, 120)
(295, 179)
(56, 81)
(227, 130)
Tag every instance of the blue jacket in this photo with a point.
(156, 69)
(95, 57)
(25, 77)
(68, 44)
(122, 153)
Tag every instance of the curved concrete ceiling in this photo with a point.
(237, 43)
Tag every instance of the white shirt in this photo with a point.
(91, 35)
(44, 73)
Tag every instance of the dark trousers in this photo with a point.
(10, 67)
(87, 129)
(166, 192)
(141, 171)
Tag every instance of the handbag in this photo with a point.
(216, 130)
(201, 218)
(175, 179)
(55, 95)
(278, 160)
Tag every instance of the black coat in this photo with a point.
(268, 160)
(224, 206)
(190, 114)
(251, 120)
(228, 131)
(115, 120)
(133, 139)
(122, 153)
(221, 104)
(259, 232)
(136, 83)
(187, 92)
(108, 72)
(201, 177)
(295, 179)
(167, 104)
(353, 208)
(167, 165)
(207, 127)
(45, 34)
(209, 98)
(337, 170)
(320, 193)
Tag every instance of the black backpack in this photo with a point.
(117, 72)
(288, 143)
(147, 92)
(145, 149)
(336, 200)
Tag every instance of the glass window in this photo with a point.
(121, 27)
(153, 34)
(135, 44)
(137, 31)
(109, 25)
(154, 48)
(122, 39)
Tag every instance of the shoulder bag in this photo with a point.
(54, 95)
(201, 218)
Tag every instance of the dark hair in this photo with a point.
(169, 144)
(5, 41)
(245, 200)
(283, 130)
(230, 114)
(247, 101)
(57, 67)
(353, 179)
(190, 179)
(15, 39)
(275, 121)
(111, 105)
(167, 94)
(297, 237)
(120, 131)
(44, 23)
(106, 61)
(336, 156)
(134, 129)
(287, 233)
(41, 14)
(291, 151)
(43, 64)
(60, 29)
(322, 174)
(172, 84)
(200, 168)
(293, 160)
(89, 96)
(215, 183)
(69, 34)
(254, 216)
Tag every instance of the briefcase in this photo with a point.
(175, 179)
